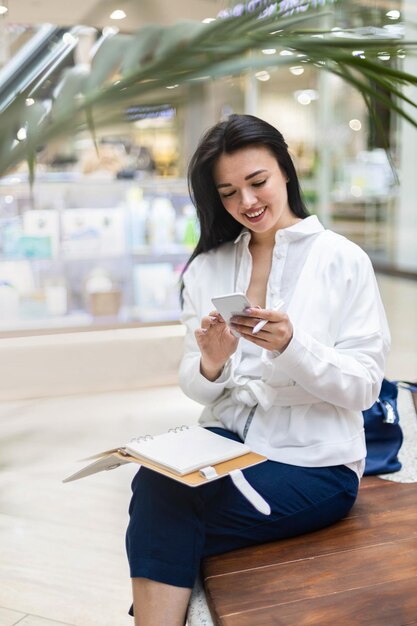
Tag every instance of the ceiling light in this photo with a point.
(118, 14)
(306, 96)
(355, 125)
(384, 56)
(358, 53)
(21, 134)
(269, 51)
(3, 9)
(172, 86)
(393, 15)
(263, 75)
(297, 70)
(303, 98)
(207, 20)
(286, 53)
(29, 102)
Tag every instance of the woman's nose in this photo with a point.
(248, 198)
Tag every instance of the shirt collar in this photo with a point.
(244, 232)
(308, 226)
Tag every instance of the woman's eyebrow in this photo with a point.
(246, 178)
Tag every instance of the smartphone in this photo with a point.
(231, 304)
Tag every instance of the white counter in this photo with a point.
(89, 362)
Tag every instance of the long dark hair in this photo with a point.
(216, 225)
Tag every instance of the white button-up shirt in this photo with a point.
(309, 398)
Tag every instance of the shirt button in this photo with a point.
(278, 255)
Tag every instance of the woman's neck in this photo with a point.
(267, 238)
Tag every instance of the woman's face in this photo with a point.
(253, 189)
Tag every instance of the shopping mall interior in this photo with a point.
(97, 224)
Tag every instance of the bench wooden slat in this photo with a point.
(350, 533)
(358, 609)
(314, 576)
(372, 550)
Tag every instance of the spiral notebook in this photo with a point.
(192, 455)
(180, 452)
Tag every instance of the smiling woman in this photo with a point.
(294, 390)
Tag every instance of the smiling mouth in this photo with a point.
(255, 215)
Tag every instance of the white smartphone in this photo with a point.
(231, 304)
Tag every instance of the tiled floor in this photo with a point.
(62, 559)
(400, 301)
(62, 546)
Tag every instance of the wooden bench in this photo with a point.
(360, 572)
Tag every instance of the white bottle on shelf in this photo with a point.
(138, 209)
(9, 302)
(56, 297)
(161, 224)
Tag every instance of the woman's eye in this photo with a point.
(259, 183)
(228, 195)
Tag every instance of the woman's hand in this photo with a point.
(275, 335)
(216, 342)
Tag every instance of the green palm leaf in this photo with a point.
(128, 68)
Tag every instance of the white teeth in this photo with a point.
(256, 213)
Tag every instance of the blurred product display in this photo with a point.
(110, 251)
(94, 252)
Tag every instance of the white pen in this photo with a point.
(262, 323)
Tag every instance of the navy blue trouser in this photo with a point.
(172, 526)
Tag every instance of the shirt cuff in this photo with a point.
(293, 354)
(222, 380)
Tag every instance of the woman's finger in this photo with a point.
(217, 315)
(244, 320)
(267, 314)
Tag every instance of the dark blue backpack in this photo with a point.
(383, 433)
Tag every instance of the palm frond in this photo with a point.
(127, 67)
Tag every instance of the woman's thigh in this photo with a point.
(302, 499)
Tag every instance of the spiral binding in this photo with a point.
(178, 429)
(141, 439)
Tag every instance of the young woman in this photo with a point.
(293, 392)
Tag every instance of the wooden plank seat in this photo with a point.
(361, 571)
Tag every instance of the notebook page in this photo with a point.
(185, 451)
